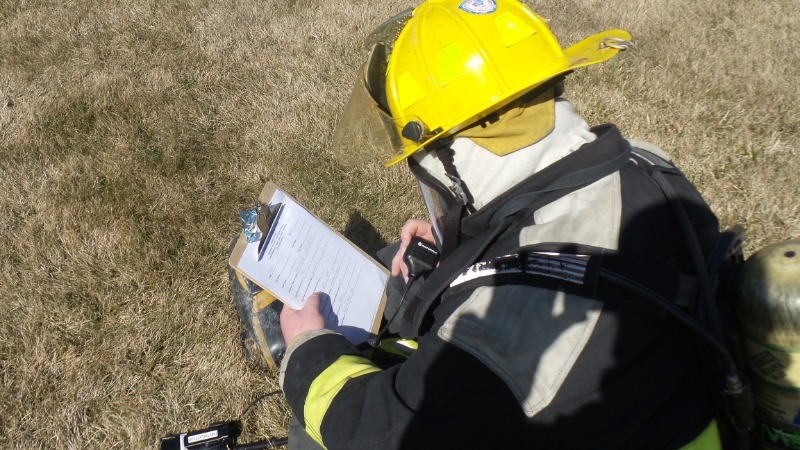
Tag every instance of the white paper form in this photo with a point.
(303, 256)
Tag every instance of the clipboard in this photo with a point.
(357, 318)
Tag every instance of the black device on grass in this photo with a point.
(218, 436)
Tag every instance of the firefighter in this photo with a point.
(523, 347)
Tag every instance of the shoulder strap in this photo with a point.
(736, 400)
(690, 211)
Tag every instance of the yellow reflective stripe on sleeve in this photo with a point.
(399, 346)
(325, 387)
(708, 440)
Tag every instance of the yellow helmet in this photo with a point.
(455, 62)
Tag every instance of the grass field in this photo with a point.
(133, 133)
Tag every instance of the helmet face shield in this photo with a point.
(387, 32)
(365, 132)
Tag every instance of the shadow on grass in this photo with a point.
(361, 232)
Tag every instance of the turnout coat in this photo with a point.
(530, 348)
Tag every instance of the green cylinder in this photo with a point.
(767, 306)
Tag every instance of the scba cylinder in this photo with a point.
(768, 308)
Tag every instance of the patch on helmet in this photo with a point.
(478, 6)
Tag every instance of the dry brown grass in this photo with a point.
(131, 136)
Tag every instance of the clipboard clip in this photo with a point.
(266, 217)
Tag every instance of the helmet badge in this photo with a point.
(478, 6)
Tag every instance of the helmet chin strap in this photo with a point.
(456, 210)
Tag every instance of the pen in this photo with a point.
(266, 235)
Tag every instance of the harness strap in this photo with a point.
(582, 273)
(456, 210)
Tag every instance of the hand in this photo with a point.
(411, 228)
(297, 321)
